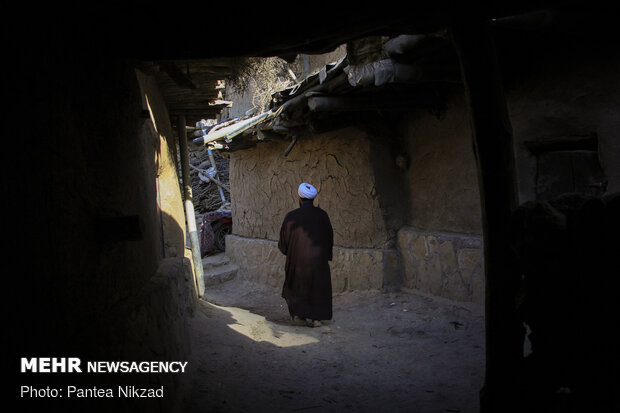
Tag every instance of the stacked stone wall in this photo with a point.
(444, 264)
(352, 269)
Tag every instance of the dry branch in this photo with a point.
(206, 195)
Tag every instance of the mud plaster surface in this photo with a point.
(382, 352)
(264, 187)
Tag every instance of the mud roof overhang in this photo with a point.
(340, 92)
(191, 87)
(189, 45)
(193, 46)
(394, 74)
(195, 32)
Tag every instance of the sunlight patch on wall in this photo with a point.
(150, 111)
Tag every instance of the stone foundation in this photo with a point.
(449, 265)
(259, 260)
(442, 264)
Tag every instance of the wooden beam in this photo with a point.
(190, 216)
(176, 74)
(493, 148)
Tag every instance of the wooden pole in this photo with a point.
(493, 148)
(190, 216)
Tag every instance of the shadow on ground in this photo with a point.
(381, 352)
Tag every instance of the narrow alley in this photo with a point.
(391, 352)
(465, 153)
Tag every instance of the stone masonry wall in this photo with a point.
(443, 264)
(352, 269)
(440, 247)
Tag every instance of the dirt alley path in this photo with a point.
(382, 352)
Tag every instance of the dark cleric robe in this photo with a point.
(307, 239)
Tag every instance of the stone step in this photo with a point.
(214, 261)
(220, 274)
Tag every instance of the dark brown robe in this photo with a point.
(307, 238)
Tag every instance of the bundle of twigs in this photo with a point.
(206, 192)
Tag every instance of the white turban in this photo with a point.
(306, 191)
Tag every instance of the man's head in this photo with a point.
(306, 193)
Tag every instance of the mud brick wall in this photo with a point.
(161, 308)
(370, 197)
(108, 213)
(442, 176)
(340, 165)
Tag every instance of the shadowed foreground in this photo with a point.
(381, 352)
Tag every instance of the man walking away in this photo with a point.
(307, 239)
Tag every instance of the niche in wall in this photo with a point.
(567, 164)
